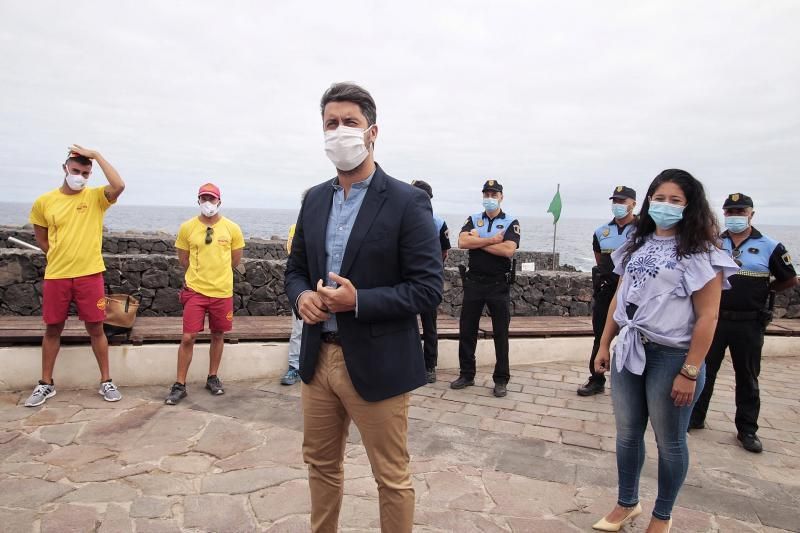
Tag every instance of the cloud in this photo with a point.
(585, 94)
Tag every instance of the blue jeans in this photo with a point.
(635, 399)
(294, 342)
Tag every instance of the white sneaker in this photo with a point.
(41, 393)
(109, 392)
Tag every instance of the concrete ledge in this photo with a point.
(155, 364)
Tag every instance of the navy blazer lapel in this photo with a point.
(319, 212)
(376, 195)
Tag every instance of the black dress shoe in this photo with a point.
(430, 375)
(462, 382)
(500, 390)
(696, 424)
(750, 442)
(591, 388)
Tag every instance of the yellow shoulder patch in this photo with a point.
(787, 259)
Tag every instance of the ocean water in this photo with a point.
(573, 238)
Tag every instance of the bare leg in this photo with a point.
(215, 352)
(51, 343)
(185, 352)
(99, 347)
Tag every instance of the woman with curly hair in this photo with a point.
(672, 273)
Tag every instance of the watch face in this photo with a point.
(691, 370)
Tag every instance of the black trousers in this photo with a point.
(430, 338)
(494, 295)
(745, 338)
(601, 300)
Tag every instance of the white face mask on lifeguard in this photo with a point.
(345, 147)
(76, 182)
(208, 209)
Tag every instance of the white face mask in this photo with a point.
(208, 209)
(345, 147)
(76, 182)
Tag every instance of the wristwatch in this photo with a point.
(690, 371)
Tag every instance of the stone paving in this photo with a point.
(540, 460)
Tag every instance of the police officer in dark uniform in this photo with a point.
(430, 337)
(491, 237)
(607, 238)
(745, 311)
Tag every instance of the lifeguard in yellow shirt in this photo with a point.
(68, 225)
(209, 247)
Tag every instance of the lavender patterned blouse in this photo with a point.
(661, 285)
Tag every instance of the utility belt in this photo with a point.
(764, 316)
(476, 277)
(603, 281)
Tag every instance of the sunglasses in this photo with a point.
(209, 235)
(735, 254)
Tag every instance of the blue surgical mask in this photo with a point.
(665, 214)
(737, 224)
(490, 204)
(619, 210)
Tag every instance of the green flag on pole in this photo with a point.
(555, 205)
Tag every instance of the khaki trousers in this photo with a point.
(329, 403)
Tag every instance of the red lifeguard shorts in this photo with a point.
(88, 293)
(195, 307)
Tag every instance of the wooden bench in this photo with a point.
(20, 330)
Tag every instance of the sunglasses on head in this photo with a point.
(209, 235)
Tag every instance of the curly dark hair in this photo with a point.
(698, 230)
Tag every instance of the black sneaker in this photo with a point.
(176, 394)
(592, 387)
(500, 390)
(430, 375)
(461, 383)
(750, 442)
(214, 385)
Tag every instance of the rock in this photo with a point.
(76, 456)
(163, 484)
(287, 499)
(243, 481)
(16, 520)
(70, 518)
(51, 415)
(21, 298)
(223, 438)
(155, 279)
(261, 308)
(262, 294)
(151, 507)
(115, 521)
(112, 491)
(147, 525)
(30, 493)
(220, 513)
(10, 273)
(61, 435)
(166, 301)
(187, 464)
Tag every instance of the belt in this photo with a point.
(473, 276)
(331, 337)
(739, 315)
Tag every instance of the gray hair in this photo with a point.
(350, 92)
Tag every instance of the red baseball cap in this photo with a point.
(210, 188)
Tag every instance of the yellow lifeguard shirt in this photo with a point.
(210, 272)
(74, 225)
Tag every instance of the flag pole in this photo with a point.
(555, 226)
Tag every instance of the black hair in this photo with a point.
(80, 159)
(697, 231)
(350, 92)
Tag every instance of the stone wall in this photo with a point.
(258, 287)
(133, 243)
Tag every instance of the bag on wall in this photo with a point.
(120, 313)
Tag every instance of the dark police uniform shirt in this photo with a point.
(758, 256)
(442, 231)
(608, 238)
(482, 262)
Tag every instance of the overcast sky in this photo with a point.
(586, 94)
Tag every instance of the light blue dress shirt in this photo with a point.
(340, 223)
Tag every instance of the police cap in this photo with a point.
(737, 199)
(492, 185)
(622, 192)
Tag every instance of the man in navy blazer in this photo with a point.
(365, 261)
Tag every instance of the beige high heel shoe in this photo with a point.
(605, 525)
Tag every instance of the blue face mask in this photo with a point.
(619, 210)
(665, 215)
(737, 224)
(490, 204)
